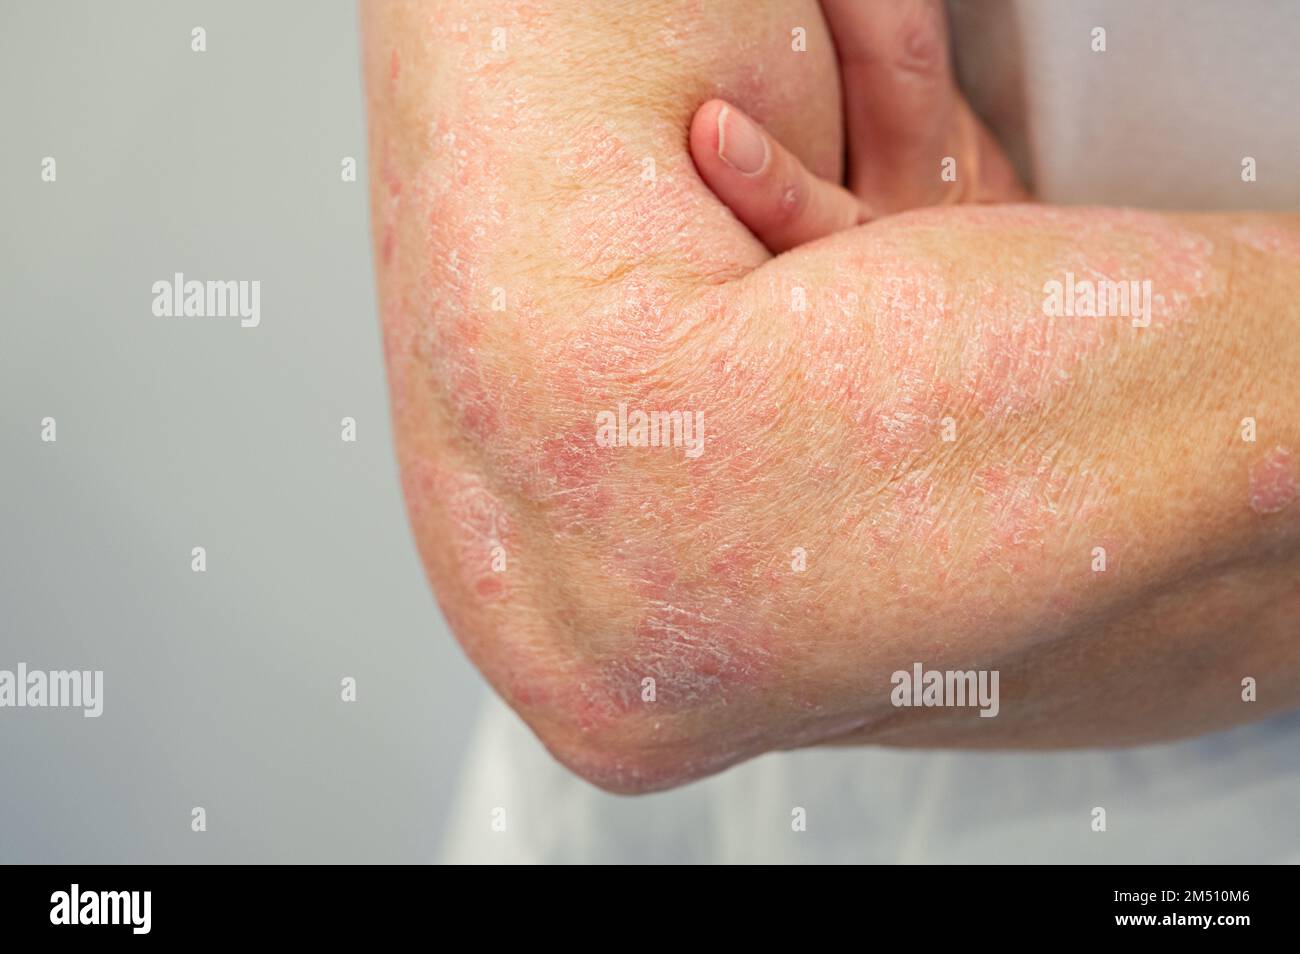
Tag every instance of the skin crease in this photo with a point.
(532, 275)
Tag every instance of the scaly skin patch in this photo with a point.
(481, 534)
(1273, 481)
(1270, 239)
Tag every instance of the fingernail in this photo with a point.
(740, 144)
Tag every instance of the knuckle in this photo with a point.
(921, 47)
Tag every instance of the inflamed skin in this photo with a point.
(909, 456)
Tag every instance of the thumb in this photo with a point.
(765, 185)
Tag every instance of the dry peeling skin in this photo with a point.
(533, 274)
(1273, 481)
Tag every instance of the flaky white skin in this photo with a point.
(546, 251)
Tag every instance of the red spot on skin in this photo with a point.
(733, 566)
(390, 204)
(1273, 481)
(489, 587)
(475, 400)
(656, 580)
(566, 472)
(574, 461)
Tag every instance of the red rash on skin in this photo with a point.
(889, 386)
(699, 654)
(480, 522)
(391, 205)
(911, 515)
(1273, 481)
(885, 373)
(699, 631)
(456, 293)
(442, 203)
(879, 372)
(1013, 355)
(877, 359)
(441, 326)
(570, 469)
(459, 197)
(871, 351)
(1176, 260)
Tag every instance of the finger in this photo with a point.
(763, 184)
(900, 98)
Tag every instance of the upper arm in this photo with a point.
(542, 241)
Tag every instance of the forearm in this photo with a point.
(1069, 434)
(825, 433)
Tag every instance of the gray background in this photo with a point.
(221, 688)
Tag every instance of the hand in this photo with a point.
(904, 118)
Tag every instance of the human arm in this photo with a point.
(823, 424)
